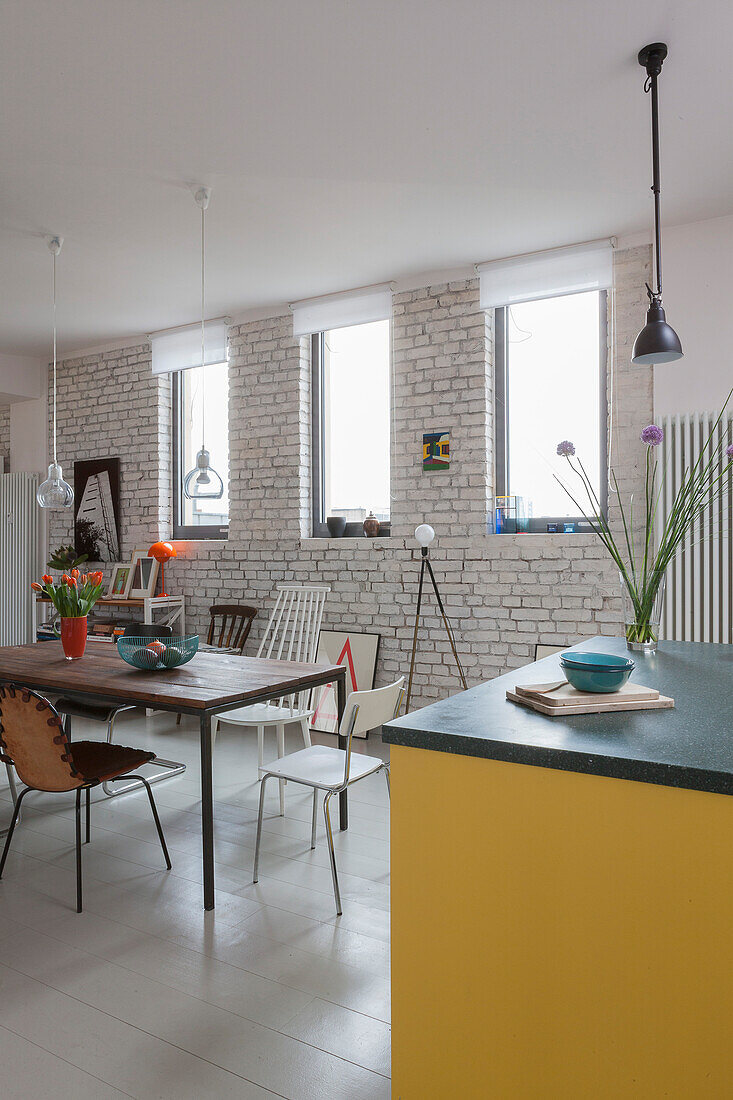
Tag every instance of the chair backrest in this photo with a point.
(230, 624)
(365, 710)
(32, 738)
(293, 629)
(147, 630)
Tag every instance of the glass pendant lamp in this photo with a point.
(54, 493)
(203, 482)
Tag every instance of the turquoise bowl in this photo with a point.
(609, 662)
(155, 654)
(597, 680)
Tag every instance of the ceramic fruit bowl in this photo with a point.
(598, 678)
(155, 654)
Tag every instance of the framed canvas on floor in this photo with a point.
(358, 652)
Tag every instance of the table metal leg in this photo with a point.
(343, 744)
(207, 811)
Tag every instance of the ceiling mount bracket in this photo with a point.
(202, 196)
(652, 57)
(54, 244)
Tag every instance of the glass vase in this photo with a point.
(74, 637)
(643, 613)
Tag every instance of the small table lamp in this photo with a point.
(162, 552)
(425, 535)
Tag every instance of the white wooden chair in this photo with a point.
(290, 635)
(332, 770)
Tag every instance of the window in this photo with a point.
(351, 422)
(200, 519)
(550, 386)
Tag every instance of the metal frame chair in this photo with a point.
(96, 713)
(34, 741)
(290, 635)
(333, 770)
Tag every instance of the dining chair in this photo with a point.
(229, 627)
(290, 635)
(333, 770)
(107, 713)
(34, 741)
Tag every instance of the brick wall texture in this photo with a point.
(504, 593)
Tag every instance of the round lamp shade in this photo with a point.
(162, 552)
(424, 534)
(657, 342)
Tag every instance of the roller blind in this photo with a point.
(180, 348)
(354, 307)
(550, 274)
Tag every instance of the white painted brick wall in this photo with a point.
(504, 593)
(5, 433)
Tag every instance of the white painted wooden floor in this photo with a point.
(144, 994)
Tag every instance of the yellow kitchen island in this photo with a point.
(562, 891)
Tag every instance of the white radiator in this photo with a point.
(19, 557)
(699, 600)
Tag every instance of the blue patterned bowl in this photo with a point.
(154, 654)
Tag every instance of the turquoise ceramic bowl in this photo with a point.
(608, 662)
(597, 679)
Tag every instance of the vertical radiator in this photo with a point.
(19, 556)
(699, 601)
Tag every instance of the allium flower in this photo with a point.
(729, 450)
(566, 448)
(652, 435)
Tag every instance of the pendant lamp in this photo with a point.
(657, 342)
(203, 482)
(55, 493)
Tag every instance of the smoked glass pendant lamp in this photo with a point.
(54, 493)
(203, 482)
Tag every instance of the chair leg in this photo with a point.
(256, 868)
(156, 819)
(11, 830)
(178, 719)
(88, 824)
(11, 783)
(332, 854)
(280, 735)
(260, 746)
(386, 776)
(314, 819)
(78, 849)
(306, 732)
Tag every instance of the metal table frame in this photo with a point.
(207, 780)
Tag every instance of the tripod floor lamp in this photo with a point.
(425, 535)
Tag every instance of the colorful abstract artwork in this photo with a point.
(436, 450)
(358, 652)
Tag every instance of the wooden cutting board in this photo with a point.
(591, 704)
(560, 693)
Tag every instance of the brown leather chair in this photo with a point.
(32, 738)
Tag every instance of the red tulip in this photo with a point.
(75, 573)
(71, 581)
(36, 586)
(46, 579)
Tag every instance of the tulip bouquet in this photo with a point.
(642, 559)
(75, 595)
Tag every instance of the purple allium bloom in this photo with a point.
(652, 435)
(566, 448)
(729, 450)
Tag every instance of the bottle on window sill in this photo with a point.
(371, 526)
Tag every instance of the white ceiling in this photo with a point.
(347, 142)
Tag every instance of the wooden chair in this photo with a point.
(333, 770)
(230, 625)
(290, 635)
(33, 740)
(229, 628)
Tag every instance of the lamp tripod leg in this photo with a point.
(414, 635)
(446, 623)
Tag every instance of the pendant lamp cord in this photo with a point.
(650, 85)
(54, 359)
(203, 380)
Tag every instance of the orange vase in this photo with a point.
(74, 637)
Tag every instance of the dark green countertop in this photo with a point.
(689, 746)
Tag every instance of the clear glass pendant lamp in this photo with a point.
(203, 482)
(54, 493)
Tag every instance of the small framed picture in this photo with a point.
(144, 575)
(119, 584)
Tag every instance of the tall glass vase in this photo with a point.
(642, 605)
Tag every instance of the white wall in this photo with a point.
(698, 297)
(21, 378)
(28, 435)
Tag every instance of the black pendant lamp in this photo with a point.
(657, 342)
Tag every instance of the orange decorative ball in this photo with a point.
(162, 551)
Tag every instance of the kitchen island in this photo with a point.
(562, 890)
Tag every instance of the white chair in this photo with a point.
(332, 770)
(290, 635)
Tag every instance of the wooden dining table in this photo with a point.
(210, 684)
